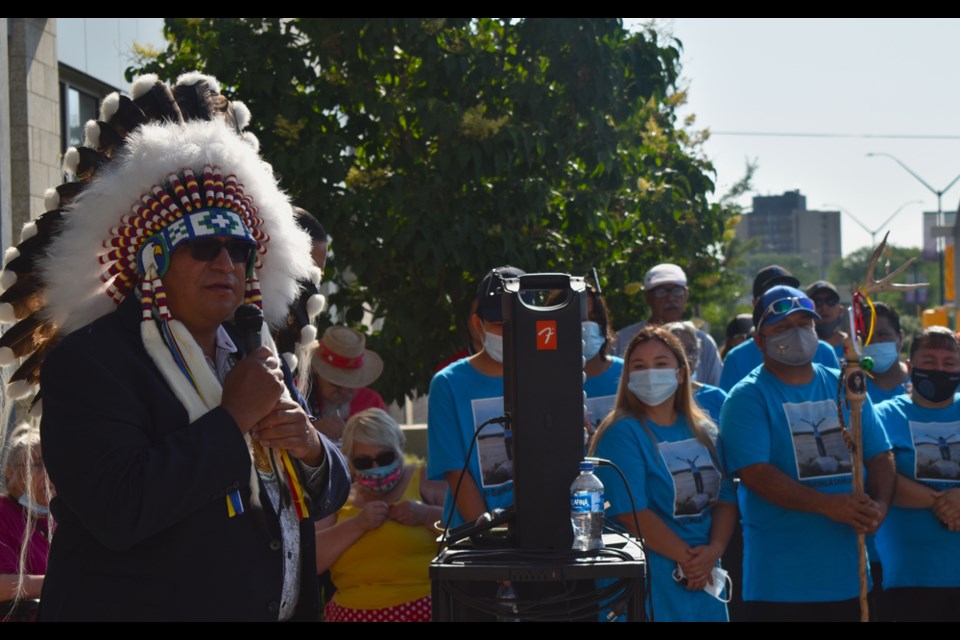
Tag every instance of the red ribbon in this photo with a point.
(339, 361)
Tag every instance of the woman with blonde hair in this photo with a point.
(379, 545)
(24, 543)
(683, 502)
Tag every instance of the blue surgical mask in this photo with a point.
(593, 339)
(884, 355)
(653, 386)
(38, 510)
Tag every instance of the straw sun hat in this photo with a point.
(340, 358)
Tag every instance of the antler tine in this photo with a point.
(875, 258)
(872, 286)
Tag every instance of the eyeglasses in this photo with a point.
(828, 301)
(208, 249)
(673, 292)
(381, 460)
(786, 305)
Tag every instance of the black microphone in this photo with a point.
(248, 320)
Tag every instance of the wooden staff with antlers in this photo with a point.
(854, 385)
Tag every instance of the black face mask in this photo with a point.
(934, 385)
(827, 329)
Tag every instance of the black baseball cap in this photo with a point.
(488, 292)
(772, 275)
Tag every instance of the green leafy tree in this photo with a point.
(435, 149)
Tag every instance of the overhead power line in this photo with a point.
(886, 136)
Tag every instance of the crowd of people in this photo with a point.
(195, 466)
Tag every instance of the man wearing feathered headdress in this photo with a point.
(188, 478)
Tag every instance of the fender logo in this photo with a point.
(546, 335)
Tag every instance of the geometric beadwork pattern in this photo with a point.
(165, 208)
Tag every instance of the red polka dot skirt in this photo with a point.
(416, 611)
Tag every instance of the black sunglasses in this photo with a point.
(208, 249)
(381, 459)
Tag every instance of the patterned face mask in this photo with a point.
(380, 479)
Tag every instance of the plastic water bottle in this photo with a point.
(586, 509)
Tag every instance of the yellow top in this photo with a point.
(387, 566)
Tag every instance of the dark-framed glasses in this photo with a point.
(381, 459)
(208, 249)
(673, 292)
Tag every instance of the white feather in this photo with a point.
(91, 134)
(71, 160)
(242, 114)
(308, 334)
(143, 84)
(251, 140)
(315, 305)
(193, 77)
(7, 313)
(316, 275)
(20, 389)
(36, 410)
(28, 231)
(70, 267)
(10, 254)
(109, 106)
(7, 279)
(51, 199)
(6, 357)
(291, 360)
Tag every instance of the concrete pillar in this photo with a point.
(34, 116)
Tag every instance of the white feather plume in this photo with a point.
(109, 106)
(10, 254)
(315, 304)
(193, 77)
(7, 313)
(308, 334)
(251, 140)
(6, 357)
(143, 84)
(242, 114)
(91, 134)
(291, 360)
(7, 279)
(51, 199)
(76, 294)
(71, 160)
(28, 231)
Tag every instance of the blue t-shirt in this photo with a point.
(795, 556)
(710, 399)
(461, 399)
(916, 551)
(677, 479)
(601, 392)
(746, 357)
(878, 395)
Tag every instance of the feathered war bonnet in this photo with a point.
(160, 167)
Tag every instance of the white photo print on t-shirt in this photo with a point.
(496, 465)
(696, 479)
(937, 445)
(818, 445)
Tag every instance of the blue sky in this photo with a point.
(858, 77)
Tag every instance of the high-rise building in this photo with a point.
(783, 225)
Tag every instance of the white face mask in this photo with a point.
(592, 339)
(653, 386)
(493, 346)
(721, 580)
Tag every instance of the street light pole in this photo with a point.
(873, 232)
(939, 194)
